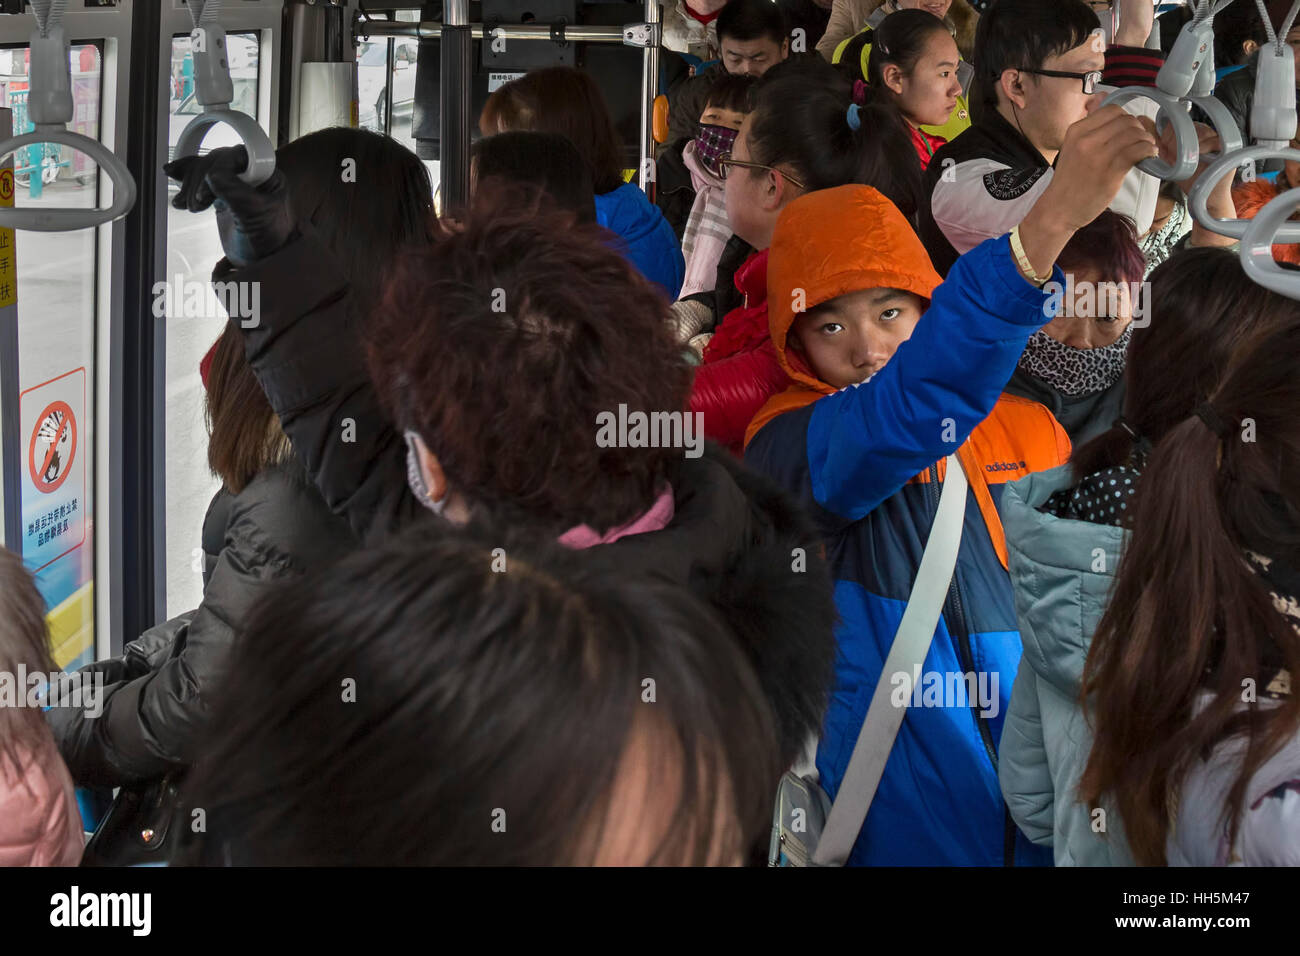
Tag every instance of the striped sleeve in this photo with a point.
(1132, 66)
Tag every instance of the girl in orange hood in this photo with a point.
(891, 372)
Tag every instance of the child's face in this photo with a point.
(721, 116)
(848, 339)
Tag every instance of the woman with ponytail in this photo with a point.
(914, 67)
(903, 45)
(1140, 548)
(804, 133)
(1206, 771)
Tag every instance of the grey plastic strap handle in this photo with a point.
(1198, 196)
(1257, 246)
(261, 154)
(1222, 122)
(215, 91)
(59, 219)
(1173, 110)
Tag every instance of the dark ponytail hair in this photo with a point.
(1187, 615)
(801, 118)
(900, 39)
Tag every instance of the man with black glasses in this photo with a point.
(1039, 68)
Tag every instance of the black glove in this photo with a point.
(254, 221)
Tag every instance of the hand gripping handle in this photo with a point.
(41, 219)
(261, 154)
(1185, 133)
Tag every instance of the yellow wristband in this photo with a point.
(1022, 260)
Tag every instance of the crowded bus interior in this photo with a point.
(755, 433)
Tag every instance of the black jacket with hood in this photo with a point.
(157, 695)
(736, 540)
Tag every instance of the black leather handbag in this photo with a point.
(145, 826)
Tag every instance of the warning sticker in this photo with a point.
(8, 263)
(54, 479)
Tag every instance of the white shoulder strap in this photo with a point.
(911, 644)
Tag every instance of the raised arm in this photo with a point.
(864, 443)
(303, 346)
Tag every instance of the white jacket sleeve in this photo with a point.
(1139, 191)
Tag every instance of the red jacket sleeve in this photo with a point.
(731, 391)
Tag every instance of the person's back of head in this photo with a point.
(24, 645)
(752, 35)
(806, 119)
(1199, 605)
(1022, 35)
(482, 698)
(366, 197)
(547, 161)
(501, 345)
(563, 100)
(244, 433)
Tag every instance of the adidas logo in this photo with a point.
(1005, 466)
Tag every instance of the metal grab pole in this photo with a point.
(432, 30)
(453, 118)
(649, 90)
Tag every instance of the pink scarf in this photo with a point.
(655, 519)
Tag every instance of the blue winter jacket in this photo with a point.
(864, 458)
(648, 239)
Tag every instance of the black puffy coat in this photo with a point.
(157, 696)
(736, 539)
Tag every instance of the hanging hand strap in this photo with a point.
(909, 650)
(215, 91)
(49, 107)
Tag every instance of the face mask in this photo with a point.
(1072, 371)
(415, 478)
(711, 142)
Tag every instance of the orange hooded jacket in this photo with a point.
(835, 241)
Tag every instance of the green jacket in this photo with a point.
(1062, 571)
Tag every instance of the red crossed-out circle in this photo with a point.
(60, 412)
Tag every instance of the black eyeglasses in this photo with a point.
(1090, 79)
(725, 160)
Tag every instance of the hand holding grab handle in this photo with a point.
(254, 221)
(215, 91)
(1173, 111)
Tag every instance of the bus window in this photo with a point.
(194, 320)
(375, 81)
(55, 289)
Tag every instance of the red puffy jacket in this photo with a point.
(740, 371)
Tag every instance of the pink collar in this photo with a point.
(655, 519)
